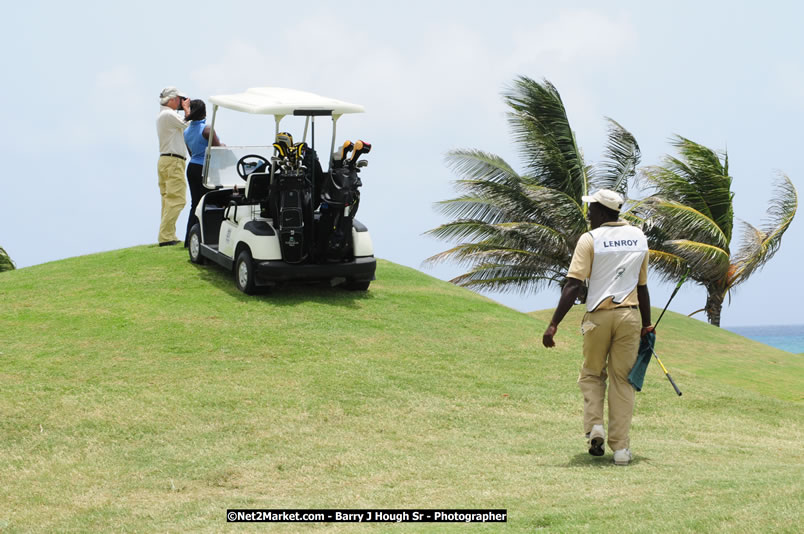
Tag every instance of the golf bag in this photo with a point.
(340, 197)
(291, 192)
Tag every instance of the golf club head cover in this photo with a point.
(361, 147)
(283, 144)
(299, 150)
(342, 152)
(282, 149)
(284, 137)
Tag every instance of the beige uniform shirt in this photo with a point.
(581, 268)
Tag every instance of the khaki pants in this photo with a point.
(172, 189)
(610, 346)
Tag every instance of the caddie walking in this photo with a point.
(613, 257)
(172, 156)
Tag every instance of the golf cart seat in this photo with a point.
(258, 186)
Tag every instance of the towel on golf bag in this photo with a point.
(637, 375)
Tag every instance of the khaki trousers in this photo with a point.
(173, 191)
(610, 346)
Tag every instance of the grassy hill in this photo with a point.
(140, 393)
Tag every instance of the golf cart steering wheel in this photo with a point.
(245, 166)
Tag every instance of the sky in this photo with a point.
(81, 83)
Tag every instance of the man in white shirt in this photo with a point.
(172, 156)
(613, 256)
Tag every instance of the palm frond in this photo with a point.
(533, 237)
(556, 209)
(680, 221)
(633, 211)
(711, 178)
(6, 264)
(667, 266)
(479, 165)
(750, 247)
(713, 181)
(622, 156)
(496, 201)
(702, 158)
(632, 219)
(474, 208)
(759, 245)
(527, 236)
(525, 242)
(483, 253)
(698, 178)
(707, 263)
(506, 278)
(493, 191)
(672, 182)
(541, 129)
(463, 229)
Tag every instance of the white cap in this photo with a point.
(608, 198)
(168, 93)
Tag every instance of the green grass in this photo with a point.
(140, 393)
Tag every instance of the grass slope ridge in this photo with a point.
(689, 347)
(141, 393)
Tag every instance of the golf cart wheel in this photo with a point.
(195, 246)
(244, 273)
(357, 286)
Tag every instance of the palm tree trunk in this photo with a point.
(714, 304)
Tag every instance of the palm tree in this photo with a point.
(5, 262)
(689, 221)
(515, 231)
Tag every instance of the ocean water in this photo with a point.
(785, 337)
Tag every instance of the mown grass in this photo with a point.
(140, 393)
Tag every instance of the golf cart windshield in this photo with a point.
(220, 168)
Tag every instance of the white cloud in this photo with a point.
(242, 65)
(570, 50)
(441, 68)
(108, 113)
(580, 36)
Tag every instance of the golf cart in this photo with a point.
(272, 214)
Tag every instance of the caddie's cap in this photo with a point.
(608, 198)
(168, 93)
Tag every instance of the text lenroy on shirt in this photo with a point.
(621, 243)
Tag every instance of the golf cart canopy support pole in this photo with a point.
(277, 118)
(332, 144)
(208, 154)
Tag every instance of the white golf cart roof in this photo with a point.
(220, 164)
(281, 102)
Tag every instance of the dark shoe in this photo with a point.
(168, 243)
(596, 439)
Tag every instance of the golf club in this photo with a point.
(670, 378)
(678, 286)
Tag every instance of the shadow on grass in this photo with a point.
(584, 459)
(286, 294)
